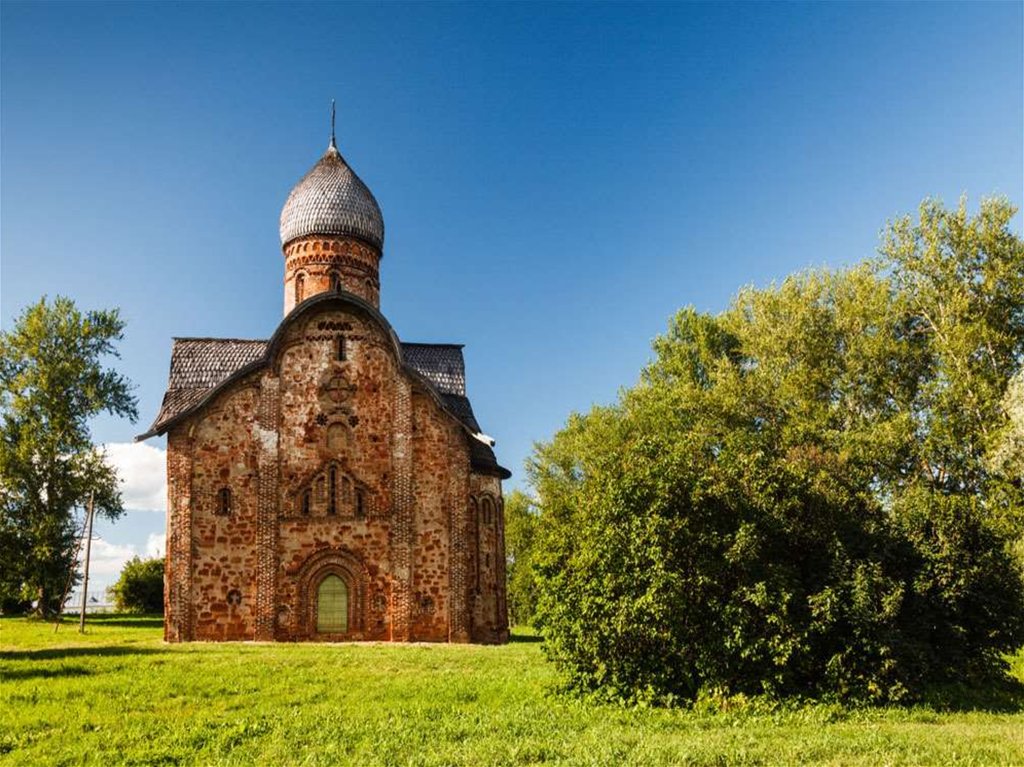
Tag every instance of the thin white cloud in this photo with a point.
(107, 559)
(143, 472)
(156, 545)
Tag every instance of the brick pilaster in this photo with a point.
(401, 520)
(500, 563)
(266, 429)
(178, 603)
(457, 498)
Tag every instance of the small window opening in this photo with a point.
(341, 348)
(300, 288)
(335, 282)
(332, 505)
(224, 501)
(306, 502)
(360, 504)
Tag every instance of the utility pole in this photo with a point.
(85, 578)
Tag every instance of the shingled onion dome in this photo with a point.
(332, 199)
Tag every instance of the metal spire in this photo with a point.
(333, 144)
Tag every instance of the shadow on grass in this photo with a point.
(116, 621)
(59, 653)
(20, 674)
(124, 620)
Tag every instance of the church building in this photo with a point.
(330, 483)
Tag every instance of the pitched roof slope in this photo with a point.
(199, 365)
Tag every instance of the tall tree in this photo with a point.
(53, 380)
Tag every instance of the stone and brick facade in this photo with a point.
(330, 483)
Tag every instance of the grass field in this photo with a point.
(118, 695)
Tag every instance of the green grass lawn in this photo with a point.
(119, 695)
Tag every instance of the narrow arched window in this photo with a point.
(360, 504)
(300, 288)
(332, 492)
(335, 282)
(224, 501)
(487, 511)
(307, 502)
(341, 348)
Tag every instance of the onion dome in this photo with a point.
(332, 199)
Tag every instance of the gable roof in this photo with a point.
(201, 365)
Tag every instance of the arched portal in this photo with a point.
(332, 606)
(331, 600)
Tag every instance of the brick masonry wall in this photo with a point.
(313, 263)
(401, 526)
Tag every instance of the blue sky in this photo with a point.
(556, 179)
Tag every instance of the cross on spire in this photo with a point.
(333, 144)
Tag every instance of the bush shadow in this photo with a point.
(1000, 696)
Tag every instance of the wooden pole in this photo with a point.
(85, 577)
(71, 578)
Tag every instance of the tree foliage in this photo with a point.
(811, 493)
(520, 532)
(140, 588)
(52, 382)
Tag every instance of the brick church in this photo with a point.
(330, 483)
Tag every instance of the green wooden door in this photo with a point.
(332, 606)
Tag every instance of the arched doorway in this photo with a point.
(331, 599)
(332, 606)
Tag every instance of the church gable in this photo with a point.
(337, 389)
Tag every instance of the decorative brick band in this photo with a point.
(319, 248)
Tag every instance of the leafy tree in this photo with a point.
(797, 497)
(140, 589)
(520, 531)
(52, 381)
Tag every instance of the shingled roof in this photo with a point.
(199, 365)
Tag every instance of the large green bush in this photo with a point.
(797, 498)
(140, 589)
